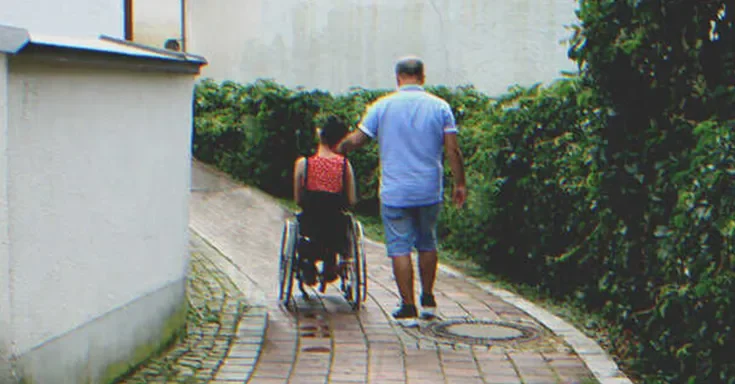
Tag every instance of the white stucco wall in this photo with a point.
(5, 329)
(98, 180)
(68, 17)
(155, 21)
(336, 44)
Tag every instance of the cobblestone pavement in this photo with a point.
(324, 341)
(222, 334)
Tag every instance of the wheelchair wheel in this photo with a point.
(354, 284)
(287, 265)
(363, 260)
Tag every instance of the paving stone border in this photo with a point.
(223, 334)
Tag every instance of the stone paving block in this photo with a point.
(312, 364)
(308, 379)
(266, 380)
(310, 373)
(351, 348)
(255, 339)
(234, 368)
(231, 376)
(425, 378)
(491, 367)
(343, 361)
(239, 361)
(217, 381)
(243, 351)
(273, 370)
(276, 359)
(465, 371)
(511, 379)
(385, 377)
(467, 380)
(257, 376)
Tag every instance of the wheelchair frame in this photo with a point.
(352, 267)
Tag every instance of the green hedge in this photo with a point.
(237, 127)
(665, 71)
(615, 188)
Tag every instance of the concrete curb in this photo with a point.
(243, 355)
(602, 366)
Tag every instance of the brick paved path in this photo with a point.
(324, 341)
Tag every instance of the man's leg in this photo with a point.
(403, 272)
(427, 267)
(399, 239)
(428, 256)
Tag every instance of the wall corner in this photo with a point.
(6, 329)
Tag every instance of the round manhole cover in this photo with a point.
(481, 331)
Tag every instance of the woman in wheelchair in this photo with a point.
(324, 187)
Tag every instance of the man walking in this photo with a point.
(413, 129)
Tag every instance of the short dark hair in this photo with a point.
(333, 131)
(411, 66)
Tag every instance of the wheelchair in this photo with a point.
(350, 263)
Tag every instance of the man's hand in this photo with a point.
(459, 195)
(354, 140)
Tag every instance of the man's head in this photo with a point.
(410, 71)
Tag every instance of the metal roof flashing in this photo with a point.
(103, 50)
(12, 39)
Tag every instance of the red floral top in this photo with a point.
(325, 174)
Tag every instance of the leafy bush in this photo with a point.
(665, 70)
(241, 127)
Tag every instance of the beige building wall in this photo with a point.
(97, 176)
(77, 18)
(338, 44)
(5, 329)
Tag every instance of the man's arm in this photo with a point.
(366, 129)
(351, 189)
(354, 140)
(454, 155)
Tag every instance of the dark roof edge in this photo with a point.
(13, 39)
(176, 54)
(100, 59)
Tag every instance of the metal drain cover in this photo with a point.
(481, 331)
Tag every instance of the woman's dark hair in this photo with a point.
(333, 131)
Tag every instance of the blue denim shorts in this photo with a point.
(408, 228)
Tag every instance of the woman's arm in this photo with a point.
(298, 180)
(351, 190)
